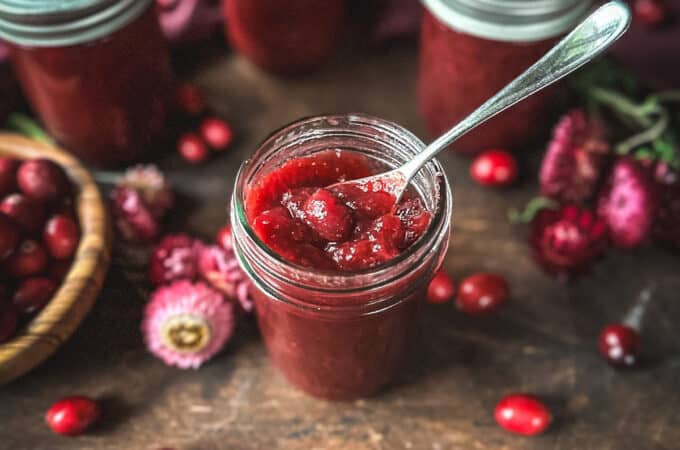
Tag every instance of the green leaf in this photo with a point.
(28, 127)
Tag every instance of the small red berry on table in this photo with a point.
(441, 289)
(494, 168)
(482, 293)
(217, 133)
(649, 12)
(522, 414)
(620, 345)
(190, 99)
(192, 148)
(72, 416)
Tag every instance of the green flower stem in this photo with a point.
(533, 207)
(649, 135)
(28, 127)
(622, 104)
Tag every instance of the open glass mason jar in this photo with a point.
(470, 49)
(341, 335)
(97, 72)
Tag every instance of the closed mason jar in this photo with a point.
(284, 36)
(97, 72)
(470, 49)
(341, 335)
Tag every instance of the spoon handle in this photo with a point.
(590, 38)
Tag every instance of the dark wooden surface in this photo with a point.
(542, 342)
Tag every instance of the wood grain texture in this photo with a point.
(542, 341)
(73, 300)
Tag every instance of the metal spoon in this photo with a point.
(590, 38)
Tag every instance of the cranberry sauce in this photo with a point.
(284, 37)
(459, 71)
(107, 100)
(295, 212)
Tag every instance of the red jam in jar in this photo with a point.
(97, 72)
(338, 275)
(284, 36)
(471, 49)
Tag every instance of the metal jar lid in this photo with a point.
(56, 23)
(510, 20)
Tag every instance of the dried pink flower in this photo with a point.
(220, 268)
(185, 324)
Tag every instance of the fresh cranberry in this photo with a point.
(72, 416)
(494, 168)
(33, 294)
(192, 148)
(224, 238)
(29, 259)
(522, 414)
(189, 96)
(216, 133)
(42, 179)
(9, 321)
(61, 236)
(649, 12)
(482, 293)
(326, 215)
(59, 269)
(28, 213)
(620, 345)
(441, 288)
(9, 236)
(8, 175)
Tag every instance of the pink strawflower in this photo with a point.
(220, 268)
(573, 162)
(132, 216)
(152, 186)
(185, 324)
(174, 258)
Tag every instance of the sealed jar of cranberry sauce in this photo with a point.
(97, 72)
(284, 36)
(338, 275)
(470, 49)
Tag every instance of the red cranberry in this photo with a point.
(441, 288)
(620, 345)
(494, 168)
(28, 213)
(482, 293)
(33, 294)
(192, 148)
(29, 259)
(8, 175)
(9, 236)
(42, 179)
(328, 217)
(217, 133)
(649, 12)
(72, 416)
(9, 321)
(224, 238)
(61, 236)
(189, 96)
(522, 414)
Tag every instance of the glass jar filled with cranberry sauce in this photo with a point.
(97, 72)
(470, 49)
(284, 36)
(338, 274)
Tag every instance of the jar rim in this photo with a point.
(334, 281)
(510, 20)
(46, 23)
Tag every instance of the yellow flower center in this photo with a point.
(186, 333)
